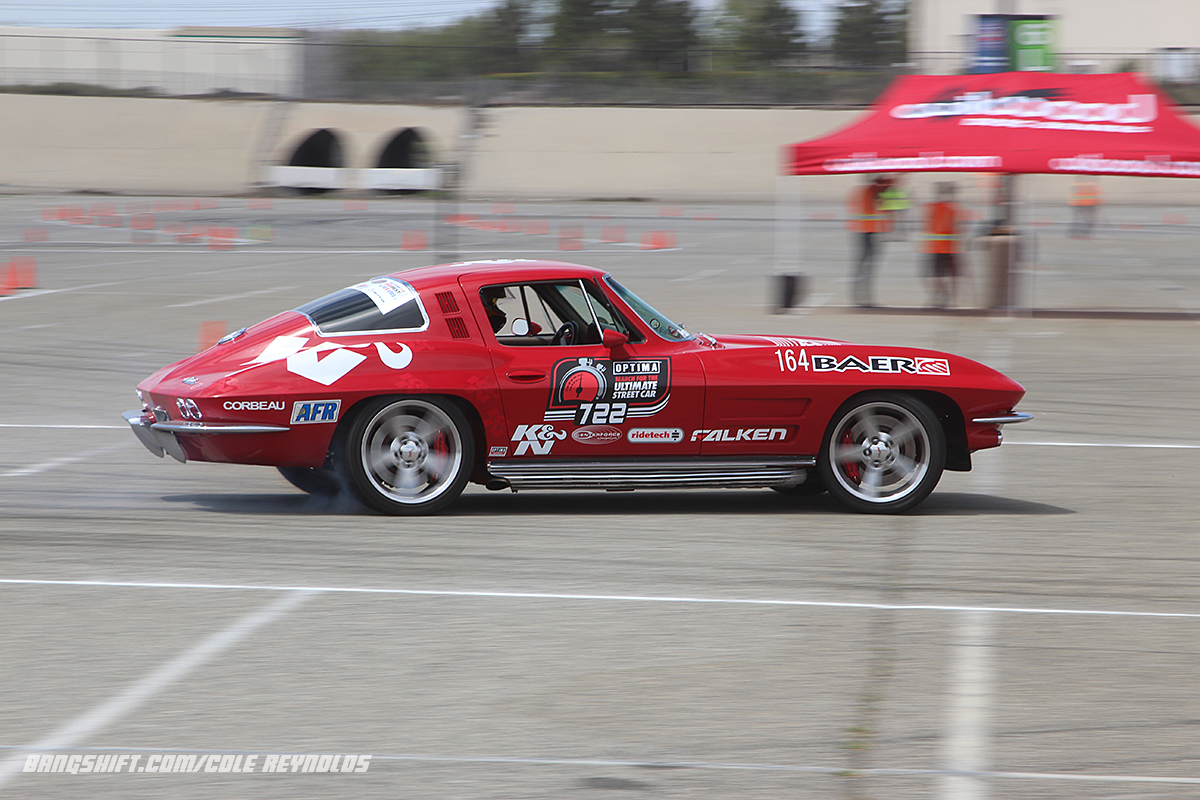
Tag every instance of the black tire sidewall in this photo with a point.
(937, 453)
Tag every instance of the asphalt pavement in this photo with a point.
(1027, 632)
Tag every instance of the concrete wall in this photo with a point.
(133, 145)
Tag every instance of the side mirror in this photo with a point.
(610, 338)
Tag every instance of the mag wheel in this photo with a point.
(408, 455)
(882, 453)
(319, 482)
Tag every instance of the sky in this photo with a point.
(322, 14)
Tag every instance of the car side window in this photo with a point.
(548, 314)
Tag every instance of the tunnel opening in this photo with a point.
(321, 148)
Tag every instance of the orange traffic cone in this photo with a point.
(24, 272)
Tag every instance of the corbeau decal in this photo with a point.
(596, 434)
(655, 436)
(741, 435)
(305, 411)
(338, 361)
(253, 405)
(600, 391)
(536, 439)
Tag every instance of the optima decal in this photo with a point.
(882, 364)
(600, 391)
(305, 411)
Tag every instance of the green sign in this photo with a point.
(1031, 44)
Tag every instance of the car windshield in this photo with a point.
(380, 304)
(658, 322)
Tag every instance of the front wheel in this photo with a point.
(408, 455)
(883, 453)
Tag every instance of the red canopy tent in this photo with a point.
(1011, 122)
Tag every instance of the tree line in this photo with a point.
(614, 36)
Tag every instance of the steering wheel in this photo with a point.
(568, 333)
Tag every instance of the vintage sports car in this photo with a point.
(545, 375)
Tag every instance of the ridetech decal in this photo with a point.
(536, 439)
(655, 436)
(305, 411)
(600, 391)
(886, 364)
(307, 362)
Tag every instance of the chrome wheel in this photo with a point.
(883, 453)
(409, 456)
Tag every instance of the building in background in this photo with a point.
(1156, 37)
(179, 62)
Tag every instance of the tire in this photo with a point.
(318, 482)
(408, 455)
(883, 453)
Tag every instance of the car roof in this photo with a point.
(499, 270)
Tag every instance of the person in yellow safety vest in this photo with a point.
(942, 243)
(867, 220)
(1085, 198)
(893, 201)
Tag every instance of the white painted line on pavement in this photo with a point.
(232, 297)
(78, 729)
(966, 746)
(55, 463)
(1135, 445)
(64, 427)
(617, 598)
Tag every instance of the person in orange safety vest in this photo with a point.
(942, 243)
(867, 220)
(1085, 199)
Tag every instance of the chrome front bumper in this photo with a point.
(161, 439)
(1011, 418)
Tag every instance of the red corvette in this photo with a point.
(541, 375)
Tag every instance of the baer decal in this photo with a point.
(601, 391)
(881, 364)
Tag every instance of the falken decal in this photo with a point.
(882, 364)
(327, 363)
(600, 391)
(740, 435)
(307, 411)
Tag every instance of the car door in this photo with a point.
(575, 397)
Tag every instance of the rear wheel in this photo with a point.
(408, 455)
(882, 453)
(319, 482)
